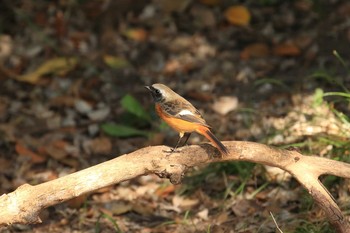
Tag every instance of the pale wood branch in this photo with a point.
(24, 204)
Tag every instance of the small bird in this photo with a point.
(181, 115)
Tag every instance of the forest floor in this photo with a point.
(72, 77)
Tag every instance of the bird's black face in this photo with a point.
(156, 94)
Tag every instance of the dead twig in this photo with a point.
(24, 204)
(274, 220)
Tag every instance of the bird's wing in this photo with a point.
(183, 110)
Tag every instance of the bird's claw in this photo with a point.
(172, 150)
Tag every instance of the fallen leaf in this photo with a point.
(225, 104)
(185, 203)
(99, 114)
(277, 175)
(136, 34)
(24, 151)
(77, 202)
(286, 49)
(221, 218)
(132, 105)
(142, 208)
(256, 50)
(244, 208)
(115, 62)
(165, 191)
(204, 16)
(82, 106)
(119, 207)
(177, 65)
(203, 214)
(238, 15)
(56, 149)
(200, 95)
(6, 46)
(101, 145)
(58, 65)
(63, 101)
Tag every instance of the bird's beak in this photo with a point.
(148, 88)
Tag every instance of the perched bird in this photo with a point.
(181, 115)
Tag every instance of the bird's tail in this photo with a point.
(211, 137)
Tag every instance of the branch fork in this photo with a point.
(25, 203)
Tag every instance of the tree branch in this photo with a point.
(24, 204)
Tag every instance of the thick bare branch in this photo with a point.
(24, 204)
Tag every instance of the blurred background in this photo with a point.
(72, 77)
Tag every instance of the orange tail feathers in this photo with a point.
(211, 137)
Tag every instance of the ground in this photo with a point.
(72, 77)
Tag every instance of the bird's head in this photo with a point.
(161, 93)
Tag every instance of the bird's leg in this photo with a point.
(176, 146)
(173, 150)
(187, 136)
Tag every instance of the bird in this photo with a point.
(181, 115)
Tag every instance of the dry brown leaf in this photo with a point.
(286, 49)
(238, 15)
(58, 65)
(204, 16)
(225, 104)
(145, 209)
(24, 151)
(56, 149)
(185, 203)
(137, 34)
(178, 65)
(221, 218)
(172, 66)
(165, 191)
(275, 174)
(102, 145)
(6, 46)
(244, 208)
(78, 201)
(203, 214)
(63, 101)
(120, 207)
(256, 50)
(200, 95)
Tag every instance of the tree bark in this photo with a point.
(25, 203)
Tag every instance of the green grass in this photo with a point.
(308, 227)
(242, 170)
(98, 227)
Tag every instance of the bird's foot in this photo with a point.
(171, 151)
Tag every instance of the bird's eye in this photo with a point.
(157, 92)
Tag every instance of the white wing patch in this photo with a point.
(185, 112)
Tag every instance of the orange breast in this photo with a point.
(177, 124)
